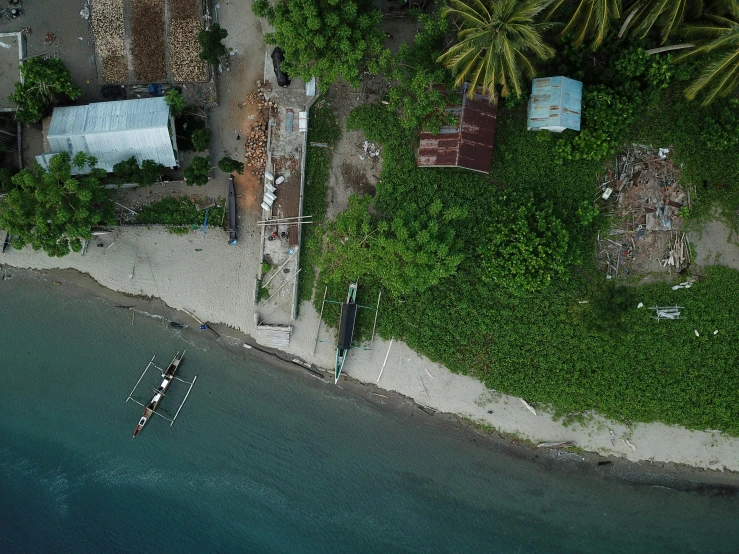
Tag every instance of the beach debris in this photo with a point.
(685, 285)
(560, 444)
(715, 332)
(668, 312)
(528, 406)
(697, 334)
(627, 443)
(640, 305)
(613, 437)
(386, 355)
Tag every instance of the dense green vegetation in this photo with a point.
(579, 343)
(198, 171)
(229, 165)
(129, 171)
(52, 209)
(179, 211)
(326, 39)
(211, 45)
(46, 82)
(323, 129)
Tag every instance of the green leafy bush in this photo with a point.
(175, 101)
(229, 165)
(45, 82)
(197, 172)
(211, 47)
(201, 139)
(607, 116)
(526, 245)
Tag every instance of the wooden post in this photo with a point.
(320, 318)
(377, 311)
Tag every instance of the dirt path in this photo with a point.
(716, 244)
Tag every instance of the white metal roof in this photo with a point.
(113, 132)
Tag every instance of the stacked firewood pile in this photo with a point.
(147, 40)
(184, 50)
(256, 149)
(258, 99)
(107, 26)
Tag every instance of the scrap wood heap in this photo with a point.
(255, 143)
(646, 215)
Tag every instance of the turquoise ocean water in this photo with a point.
(267, 460)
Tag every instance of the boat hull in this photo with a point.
(161, 390)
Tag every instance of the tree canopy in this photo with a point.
(326, 39)
(175, 101)
(46, 81)
(590, 19)
(211, 47)
(229, 165)
(414, 71)
(498, 40)
(52, 209)
(197, 172)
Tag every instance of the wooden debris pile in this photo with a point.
(184, 50)
(646, 197)
(255, 144)
(148, 48)
(110, 44)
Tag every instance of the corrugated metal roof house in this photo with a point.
(555, 104)
(114, 131)
(469, 144)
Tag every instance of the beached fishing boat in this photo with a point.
(346, 330)
(159, 393)
(232, 223)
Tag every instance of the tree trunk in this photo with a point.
(669, 48)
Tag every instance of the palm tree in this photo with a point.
(591, 19)
(718, 38)
(669, 15)
(497, 39)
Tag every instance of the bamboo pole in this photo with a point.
(377, 311)
(283, 284)
(142, 376)
(185, 400)
(383, 363)
(278, 269)
(320, 318)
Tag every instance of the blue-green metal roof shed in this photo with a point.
(555, 104)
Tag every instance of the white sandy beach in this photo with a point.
(215, 282)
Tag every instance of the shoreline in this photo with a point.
(676, 476)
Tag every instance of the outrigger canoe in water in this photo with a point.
(159, 393)
(346, 330)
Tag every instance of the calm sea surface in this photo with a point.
(265, 460)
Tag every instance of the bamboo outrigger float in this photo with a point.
(346, 329)
(167, 376)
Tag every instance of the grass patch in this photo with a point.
(179, 211)
(323, 129)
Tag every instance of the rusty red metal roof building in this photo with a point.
(469, 144)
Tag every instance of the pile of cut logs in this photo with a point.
(258, 99)
(256, 149)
